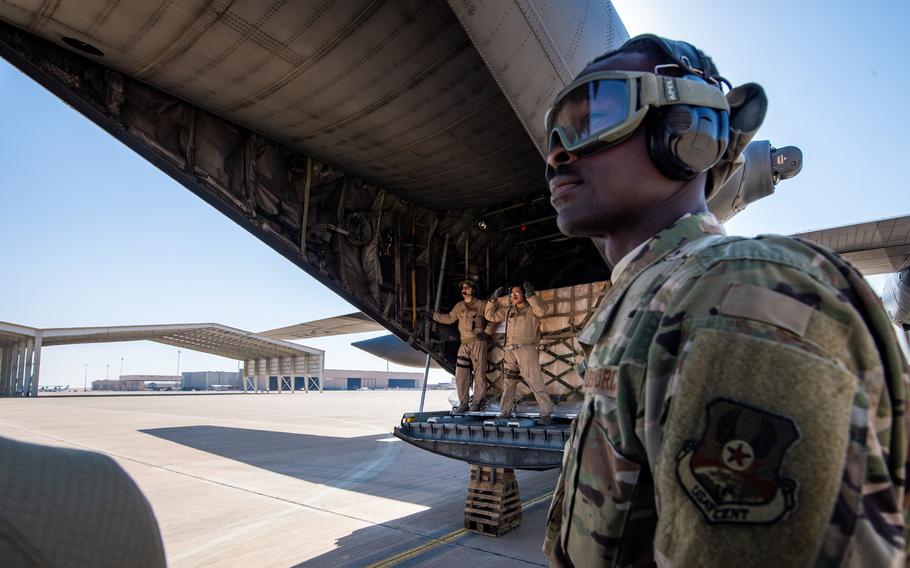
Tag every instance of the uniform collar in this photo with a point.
(688, 228)
(623, 263)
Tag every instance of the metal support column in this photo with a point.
(13, 368)
(14, 376)
(13, 350)
(27, 375)
(280, 375)
(293, 374)
(306, 373)
(260, 363)
(5, 365)
(321, 369)
(26, 366)
(8, 381)
(29, 359)
(20, 368)
(36, 366)
(4, 370)
(12, 353)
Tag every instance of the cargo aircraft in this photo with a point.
(384, 147)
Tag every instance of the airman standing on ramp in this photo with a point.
(521, 357)
(472, 354)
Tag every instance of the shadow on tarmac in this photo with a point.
(342, 463)
(385, 467)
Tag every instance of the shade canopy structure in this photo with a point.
(20, 351)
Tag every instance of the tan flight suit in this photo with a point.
(520, 352)
(473, 350)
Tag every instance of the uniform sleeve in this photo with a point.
(537, 306)
(552, 546)
(767, 425)
(492, 313)
(450, 317)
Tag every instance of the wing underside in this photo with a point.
(875, 247)
(356, 322)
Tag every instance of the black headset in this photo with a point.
(685, 140)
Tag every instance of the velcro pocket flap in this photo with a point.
(754, 451)
(767, 306)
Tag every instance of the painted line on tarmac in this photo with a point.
(445, 539)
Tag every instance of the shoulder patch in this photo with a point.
(760, 304)
(733, 474)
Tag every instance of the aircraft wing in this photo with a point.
(356, 322)
(376, 145)
(391, 348)
(876, 247)
(388, 347)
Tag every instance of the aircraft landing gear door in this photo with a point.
(353, 384)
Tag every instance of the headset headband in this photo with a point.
(680, 53)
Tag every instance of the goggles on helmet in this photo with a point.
(601, 109)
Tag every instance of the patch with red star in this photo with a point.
(734, 474)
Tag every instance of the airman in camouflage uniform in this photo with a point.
(744, 398)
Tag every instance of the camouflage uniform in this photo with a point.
(744, 405)
(521, 355)
(473, 349)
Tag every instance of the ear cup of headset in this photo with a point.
(685, 140)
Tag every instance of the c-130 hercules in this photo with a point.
(366, 141)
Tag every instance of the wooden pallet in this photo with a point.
(487, 474)
(493, 506)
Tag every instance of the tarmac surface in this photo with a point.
(303, 479)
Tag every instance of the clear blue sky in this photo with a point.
(94, 235)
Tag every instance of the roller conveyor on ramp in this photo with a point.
(518, 442)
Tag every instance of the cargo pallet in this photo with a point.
(493, 506)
